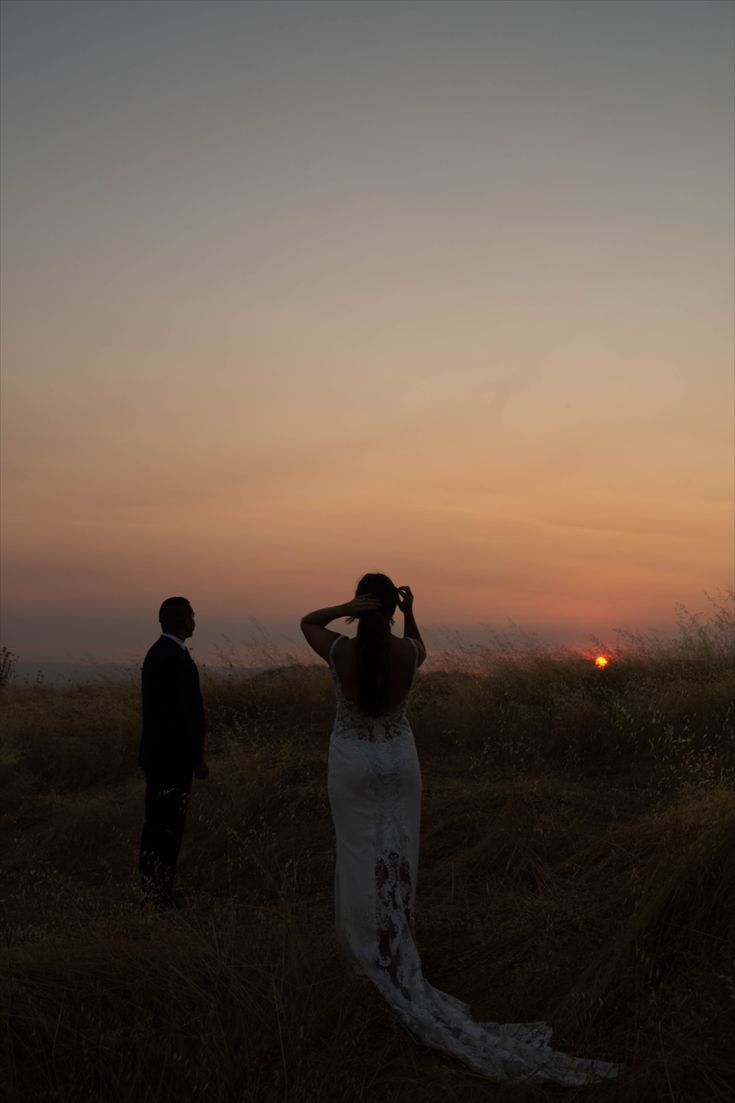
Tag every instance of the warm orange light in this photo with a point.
(600, 662)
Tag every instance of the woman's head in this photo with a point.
(380, 587)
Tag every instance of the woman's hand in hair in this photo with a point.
(405, 599)
(364, 603)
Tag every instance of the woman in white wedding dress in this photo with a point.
(375, 796)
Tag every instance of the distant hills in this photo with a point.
(57, 673)
(28, 672)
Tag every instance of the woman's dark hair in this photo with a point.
(373, 644)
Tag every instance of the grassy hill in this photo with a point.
(577, 865)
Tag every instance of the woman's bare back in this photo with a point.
(402, 664)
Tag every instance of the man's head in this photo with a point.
(177, 617)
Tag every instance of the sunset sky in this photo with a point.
(295, 290)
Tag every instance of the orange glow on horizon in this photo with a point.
(601, 662)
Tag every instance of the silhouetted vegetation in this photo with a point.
(577, 865)
(8, 661)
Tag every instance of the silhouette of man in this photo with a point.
(171, 747)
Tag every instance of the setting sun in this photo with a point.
(600, 662)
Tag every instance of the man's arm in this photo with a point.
(198, 723)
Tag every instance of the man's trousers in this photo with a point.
(166, 804)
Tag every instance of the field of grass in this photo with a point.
(577, 865)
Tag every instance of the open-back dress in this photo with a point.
(374, 785)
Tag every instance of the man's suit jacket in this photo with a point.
(172, 740)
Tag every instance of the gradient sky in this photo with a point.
(294, 290)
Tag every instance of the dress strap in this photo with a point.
(331, 649)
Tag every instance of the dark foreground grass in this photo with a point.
(578, 853)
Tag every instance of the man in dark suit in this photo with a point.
(171, 747)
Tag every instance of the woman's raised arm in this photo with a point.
(314, 625)
(410, 627)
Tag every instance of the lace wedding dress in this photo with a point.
(375, 796)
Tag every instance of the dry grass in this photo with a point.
(577, 865)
